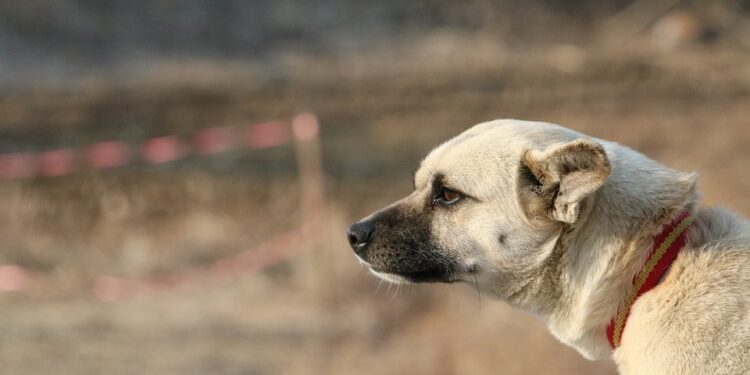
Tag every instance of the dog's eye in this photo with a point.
(448, 197)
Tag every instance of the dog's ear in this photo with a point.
(555, 181)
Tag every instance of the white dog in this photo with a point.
(606, 245)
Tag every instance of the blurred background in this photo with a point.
(164, 209)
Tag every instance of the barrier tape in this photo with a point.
(248, 262)
(112, 154)
(156, 150)
(108, 288)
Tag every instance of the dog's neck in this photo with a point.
(602, 252)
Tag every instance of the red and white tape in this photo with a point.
(103, 155)
(108, 288)
(157, 150)
(13, 278)
(276, 250)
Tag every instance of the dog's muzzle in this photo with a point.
(396, 243)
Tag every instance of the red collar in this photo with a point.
(664, 250)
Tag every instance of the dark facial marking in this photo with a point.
(402, 244)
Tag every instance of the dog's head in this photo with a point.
(487, 207)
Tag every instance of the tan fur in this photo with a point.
(575, 217)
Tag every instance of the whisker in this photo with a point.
(398, 287)
(479, 293)
(456, 300)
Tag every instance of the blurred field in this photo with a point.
(381, 111)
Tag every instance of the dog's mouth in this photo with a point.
(421, 267)
(431, 274)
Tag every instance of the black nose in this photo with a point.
(359, 234)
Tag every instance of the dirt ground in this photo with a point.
(320, 313)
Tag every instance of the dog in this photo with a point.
(607, 246)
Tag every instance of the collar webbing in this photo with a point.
(666, 246)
